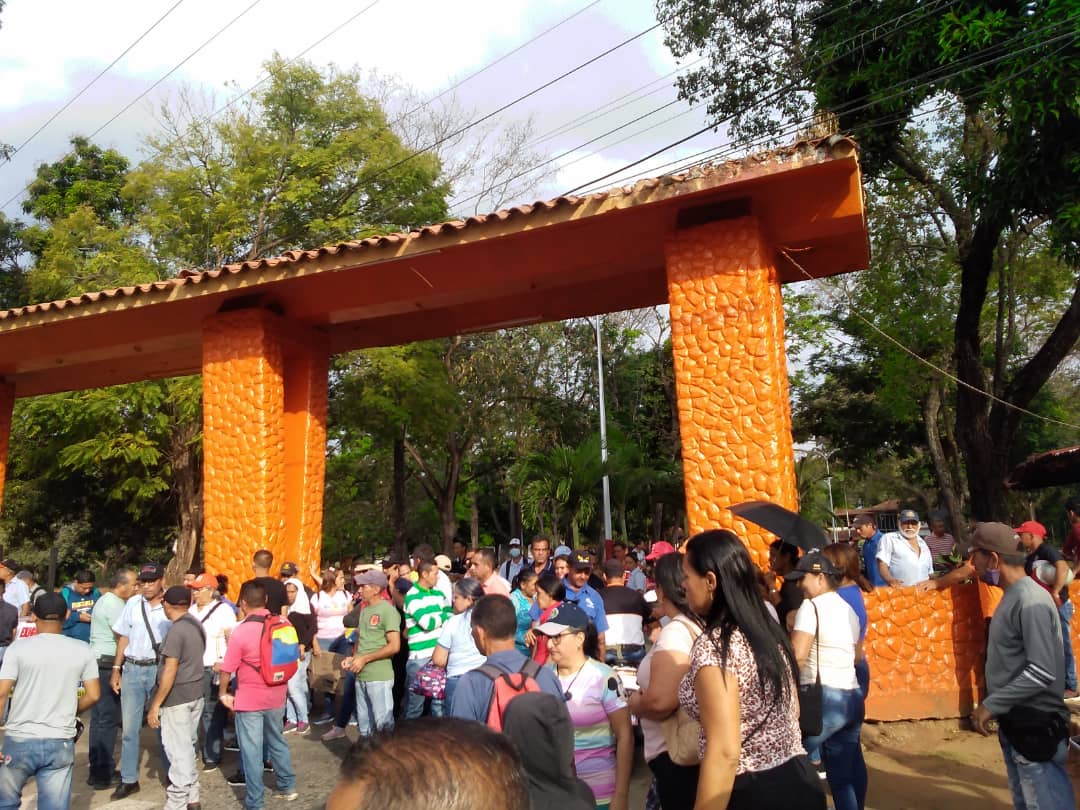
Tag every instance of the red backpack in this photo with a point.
(506, 686)
(279, 649)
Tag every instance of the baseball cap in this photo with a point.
(1031, 527)
(178, 595)
(443, 562)
(515, 541)
(402, 584)
(204, 581)
(373, 576)
(580, 559)
(861, 520)
(289, 569)
(659, 549)
(561, 551)
(566, 616)
(51, 607)
(9, 564)
(151, 571)
(908, 516)
(996, 537)
(813, 563)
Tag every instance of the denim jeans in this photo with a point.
(414, 706)
(258, 732)
(374, 706)
(839, 742)
(180, 736)
(49, 762)
(1038, 785)
(137, 687)
(104, 723)
(451, 687)
(296, 706)
(213, 719)
(1066, 614)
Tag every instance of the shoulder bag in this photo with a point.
(150, 632)
(810, 697)
(681, 731)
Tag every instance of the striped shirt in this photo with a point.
(595, 693)
(425, 614)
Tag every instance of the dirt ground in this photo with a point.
(924, 765)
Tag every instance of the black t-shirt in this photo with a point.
(791, 596)
(1046, 552)
(618, 599)
(276, 597)
(305, 627)
(9, 620)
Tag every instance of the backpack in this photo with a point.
(506, 686)
(279, 649)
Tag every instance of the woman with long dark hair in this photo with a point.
(550, 592)
(852, 586)
(827, 645)
(741, 687)
(659, 675)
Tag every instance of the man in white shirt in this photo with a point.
(16, 593)
(217, 621)
(903, 557)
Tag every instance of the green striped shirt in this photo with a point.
(425, 613)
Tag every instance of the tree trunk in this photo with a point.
(474, 520)
(932, 405)
(398, 497)
(187, 486)
(622, 523)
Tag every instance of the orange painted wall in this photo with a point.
(264, 442)
(727, 336)
(7, 402)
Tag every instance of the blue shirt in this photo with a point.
(131, 625)
(472, 697)
(523, 608)
(869, 556)
(636, 580)
(74, 627)
(589, 601)
(852, 594)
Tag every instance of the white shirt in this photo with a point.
(443, 586)
(220, 623)
(677, 636)
(911, 569)
(16, 593)
(834, 650)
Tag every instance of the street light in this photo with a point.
(603, 430)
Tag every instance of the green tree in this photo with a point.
(975, 106)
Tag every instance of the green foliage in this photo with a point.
(87, 177)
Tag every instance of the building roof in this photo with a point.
(567, 257)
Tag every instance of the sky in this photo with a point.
(51, 49)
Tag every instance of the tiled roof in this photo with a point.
(726, 172)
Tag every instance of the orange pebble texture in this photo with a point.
(264, 441)
(7, 403)
(727, 337)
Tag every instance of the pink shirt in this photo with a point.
(253, 694)
(496, 584)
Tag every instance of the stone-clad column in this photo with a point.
(727, 337)
(7, 403)
(264, 441)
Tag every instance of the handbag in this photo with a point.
(810, 696)
(1034, 734)
(430, 682)
(681, 731)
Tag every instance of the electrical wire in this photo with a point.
(92, 82)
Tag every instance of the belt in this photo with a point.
(141, 662)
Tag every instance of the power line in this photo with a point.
(92, 82)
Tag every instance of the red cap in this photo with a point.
(203, 581)
(659, 549)
(1031, 527)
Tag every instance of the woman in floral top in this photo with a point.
(741, 687)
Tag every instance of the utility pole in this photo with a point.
(603, 430)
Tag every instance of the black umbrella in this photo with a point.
(789, 526)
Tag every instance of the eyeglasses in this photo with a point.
(558, 637)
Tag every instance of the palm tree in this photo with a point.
(563, 482)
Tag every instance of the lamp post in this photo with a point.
(828, 484)
(603, 430)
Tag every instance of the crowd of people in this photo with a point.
(749, 690)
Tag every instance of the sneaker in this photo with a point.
(290, 796)
(336, 733)
(231, 746)
(124, 790)
(322, 719)
(302, 728)
(210, 766)
(288, 728)
(237, 779)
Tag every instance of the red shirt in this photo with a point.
(253, 694)
(1071, 550)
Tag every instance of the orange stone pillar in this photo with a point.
(264, 441)
(727, 337)
(7, 403)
